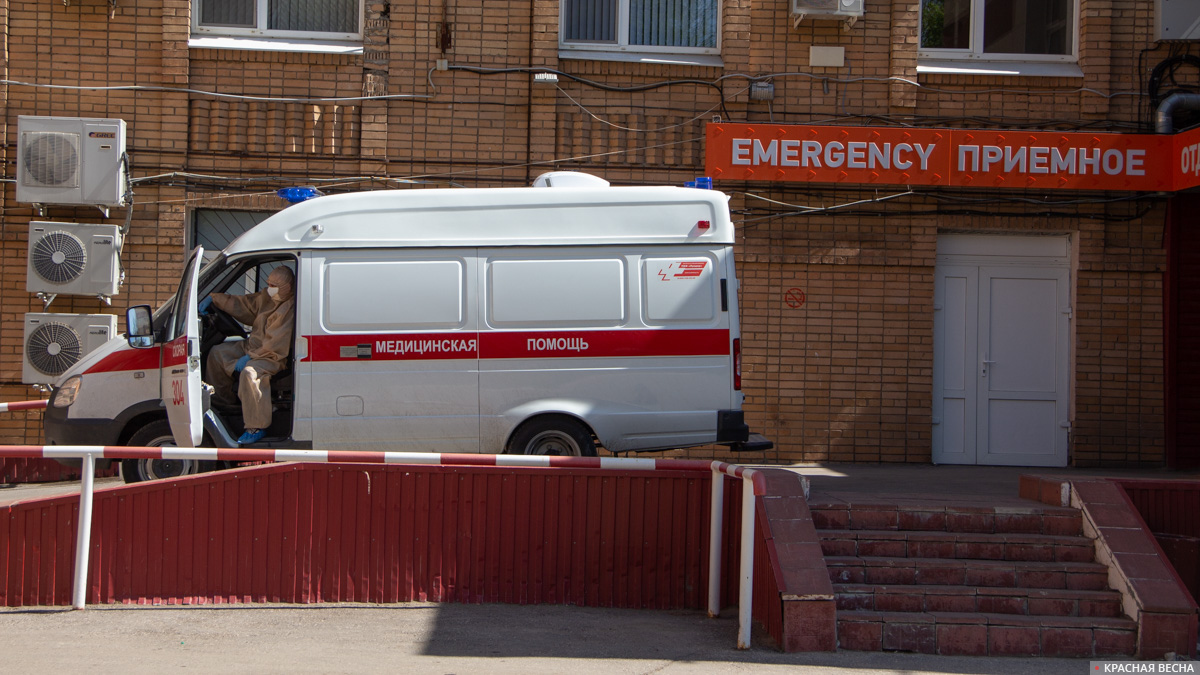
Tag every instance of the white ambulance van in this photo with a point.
(541, 320)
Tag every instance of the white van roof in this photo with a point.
(531, 216)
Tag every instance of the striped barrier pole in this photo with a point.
(23, 405)
(83, 532)
(752, 486)
(715, 527)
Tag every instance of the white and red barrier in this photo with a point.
(14, 406)
(753, 486)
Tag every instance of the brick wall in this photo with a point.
(844, 377)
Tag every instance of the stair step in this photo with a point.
(1019, 601)
(961, 572)
(947, 633)
(1035, 519)
(901, 544)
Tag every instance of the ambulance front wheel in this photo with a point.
(156, 435)
(556, 435)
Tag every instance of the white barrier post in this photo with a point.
(746, 591)
(715, 527)
(83, 536)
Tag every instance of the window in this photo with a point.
(572, 292)
(641, 26)
(290, 19)
(378, 295)
(679, 290)
(1028, 30)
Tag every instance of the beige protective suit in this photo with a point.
(268, 345)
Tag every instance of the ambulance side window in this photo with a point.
(376, 295)
(584, 292)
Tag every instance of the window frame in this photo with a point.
(261, 32)
(622, 45)
(975, 52)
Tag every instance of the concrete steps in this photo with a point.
(1029, 547)
(969, 580)
(960, 599)
(982, 634)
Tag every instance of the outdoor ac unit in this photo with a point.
(1176, 20)
(66, 258)
(55, 342)
(849, 10)
(70, 160)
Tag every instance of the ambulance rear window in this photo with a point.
(679, 289)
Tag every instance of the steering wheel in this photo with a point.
(215, 326)
(223, 322)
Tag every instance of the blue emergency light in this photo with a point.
(702, 182)
(295, 195)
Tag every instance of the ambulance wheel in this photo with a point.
(556, 435)
(155, 435)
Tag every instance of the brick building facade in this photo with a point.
(846, 376)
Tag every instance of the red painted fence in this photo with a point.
(370, 533)
(1171, 509)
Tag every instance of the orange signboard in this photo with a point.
(967, 158)
(1186, 164)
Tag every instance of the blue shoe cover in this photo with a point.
(252, 437)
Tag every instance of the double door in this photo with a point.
(1001, 351)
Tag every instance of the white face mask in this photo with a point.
(273, 292)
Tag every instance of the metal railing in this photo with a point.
(753, 486)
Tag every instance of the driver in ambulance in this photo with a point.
(271, 314)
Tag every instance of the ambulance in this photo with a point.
(555, 319)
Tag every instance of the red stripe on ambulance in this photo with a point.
(604, 343)
(127, 359)
(519, 345)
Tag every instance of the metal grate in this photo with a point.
(58, 257)
(51, 159)
(52, 348)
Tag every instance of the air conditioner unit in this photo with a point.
(1176, 20)
(72, 259)
(849, 10)
(70, 160)
(55, 342)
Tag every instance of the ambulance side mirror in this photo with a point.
(139, 329)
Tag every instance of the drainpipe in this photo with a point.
(1163, 122)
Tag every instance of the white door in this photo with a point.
(393, 350)
(1001, 359)
(180, 374)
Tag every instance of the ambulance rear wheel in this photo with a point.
(555, 435)
(156, 435)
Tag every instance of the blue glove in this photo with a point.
(205, 304)
(241, 363)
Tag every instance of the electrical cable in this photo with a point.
(631, 129)
(213, 94)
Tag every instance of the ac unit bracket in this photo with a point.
(847, 24)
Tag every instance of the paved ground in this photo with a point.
(435, 639)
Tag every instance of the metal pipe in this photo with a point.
(716, 527)
(746, 590)
(83, 534)
(1164, 122)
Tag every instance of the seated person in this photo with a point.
(271, 313)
